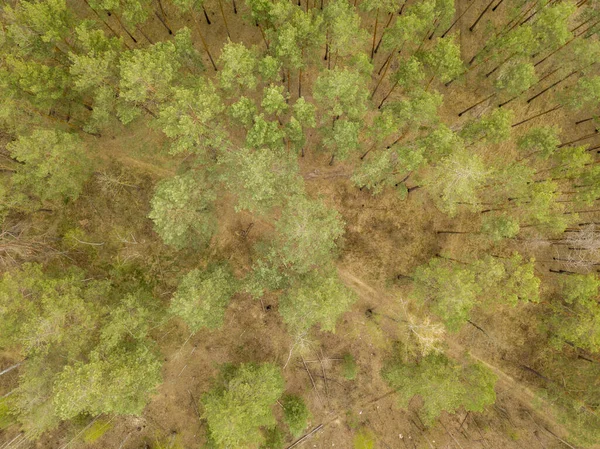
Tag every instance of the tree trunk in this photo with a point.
(388, 94)
(579, 122)
(212, 61)
(235, 6)
(106, 24)
(224, 18)
(552, 86)
(589, 136)
(476, 104)
(144, 34)
(374, 34)
(472, 27)
(206, 15)
(123, 26)
(497, 4)
(458, 18)
(383, 32)
(10, 368)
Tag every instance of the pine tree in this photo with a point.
(456, 179)
(576, 318)
(117, 381)
(443, 385)
(450, 288)
(182, 210)
(306, 234)
(203, 296)
(238, 67)
(262, 179)
(192, 119)
(295, 414)
(240, 404)
(53, 166)
(318, 297)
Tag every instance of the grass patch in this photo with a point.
(96, 430)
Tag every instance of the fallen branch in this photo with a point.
(297, 442)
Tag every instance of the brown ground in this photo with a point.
(384, 237)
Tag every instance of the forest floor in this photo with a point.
(384, 238)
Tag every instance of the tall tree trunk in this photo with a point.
(388, 94)
(552, 86)
(537, 115)
(206, 15)
(224, 19)
(164, 23)
(212, 61)
(374, 34)
(383, 32)
(123, 26)
(579, 122)
(106, 24)
(489, 5)
(458, 18)
(497, 4)
(476, 104)
(144, 34)
(589, 136)
(10, 368)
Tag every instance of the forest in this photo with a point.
(277, 224)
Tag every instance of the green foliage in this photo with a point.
(542, 141)
(240, 404)
(54, 166)
(203, 296)
(148, 74)
(274, 438)
(265, 133)
(456, 179)
(238, 67)
(307, 231)
(295, 414)
(442, 384)
(584, 94)
(443, 61)
(576, 318)
(262, 178)
(450, 288)
(96, 430)
(265, 275)
(315, 298)
(343, 139)
(343, 28)
(349, 367)
(110, 382)
(514, 79)
(39, 324)
(364, 439)
(376, 172)
(493, 128)
(341, 92)
(509, 280)
(499, 227)
(453, 288)
(6, 417)
(244, 110)
(419, 108)
(190, 118)
(274, 102)
(182, 210)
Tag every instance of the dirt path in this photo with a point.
(517, 391)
